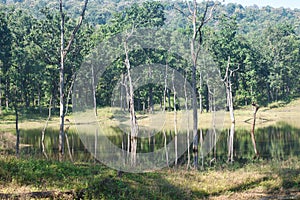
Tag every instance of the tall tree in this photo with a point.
(198, 21)
(64, 49)
(5, 52)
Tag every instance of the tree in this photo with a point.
(18, 73)
(149, 14)
(64, 50)
(198, 22)
(5, 53)
(228, 84)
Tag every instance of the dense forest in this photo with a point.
(264, 42)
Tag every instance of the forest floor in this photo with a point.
(25, 177)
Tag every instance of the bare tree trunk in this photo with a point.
(69, 94)
(187, 124)
(61, 83)
(94, 91)
(63, 53)
(213, 135)
(200, 90)
(196, 39)
(175, 120)
(133, 121)
(230, 143)
(6, 93)
(166, 149)
(256, 107)
(150, 99)
(227, 81)
(201, 149)
(194, 94)
(169, 99)
(17, 131)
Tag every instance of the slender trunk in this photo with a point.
(61, 84)
(187, 123)
(200, 90)
(133, 121)
(194, 83)
(165, 87)
(17, 131)
(138, 101)
(195, 117)
(230, 143)
(232, 128)
(169, 99)
(94, 91)
(213, 134)
(227, 81)
(150, 99)
(166, 148)
(69, 94)
(39, 99)
(201, 149)
(175, 119)
(6, 93)
(256, 107)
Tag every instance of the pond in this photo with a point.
(275, 142)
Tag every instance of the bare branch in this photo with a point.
(189, 6)
(227, 69)
(210, 14)
(181, 11)
(76, 28)
(234, 70)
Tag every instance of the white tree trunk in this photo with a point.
(133, 121)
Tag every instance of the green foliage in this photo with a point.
(263, 42)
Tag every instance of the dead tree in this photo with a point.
(175, 119)
(63, 53)
(255, 109)
(227, 81)
(130, 93)
(196, 44)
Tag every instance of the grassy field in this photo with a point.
(25, 177)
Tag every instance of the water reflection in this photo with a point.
(278, 142)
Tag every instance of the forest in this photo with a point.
(207, 85)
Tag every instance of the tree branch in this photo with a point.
(76, 28)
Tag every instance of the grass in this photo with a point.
(95, 181)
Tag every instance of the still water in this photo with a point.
(276, 142)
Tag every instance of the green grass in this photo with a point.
(95, 181)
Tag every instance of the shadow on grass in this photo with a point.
(136, 186)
